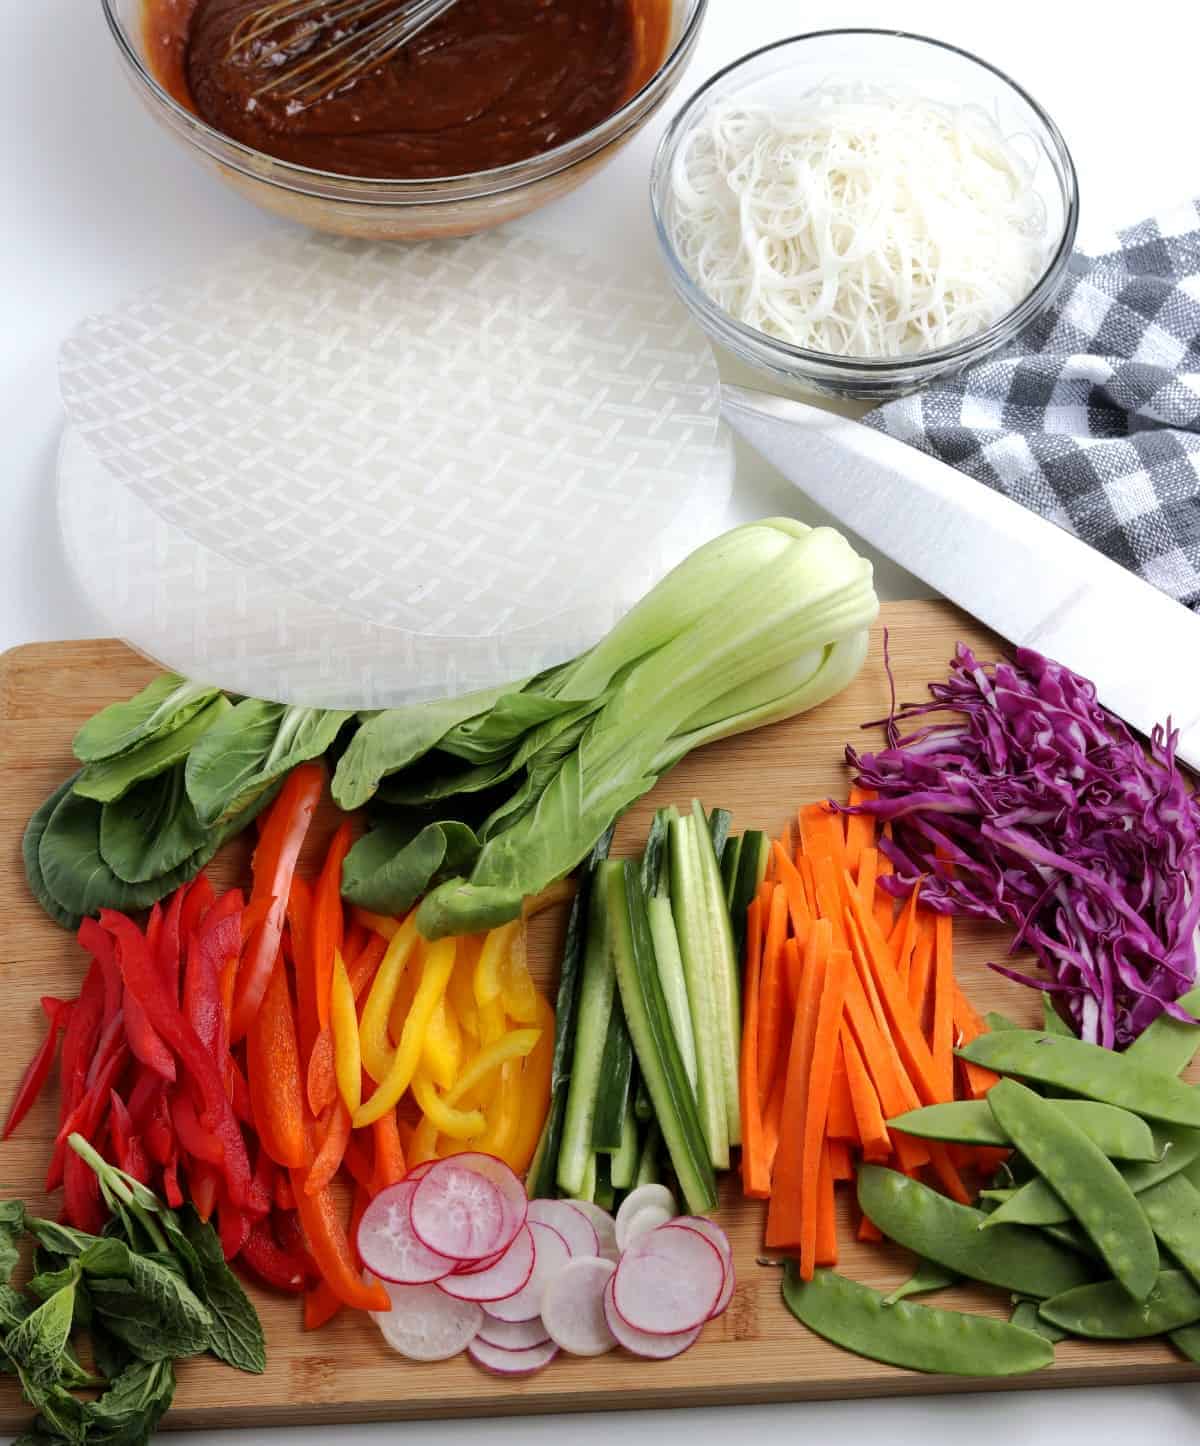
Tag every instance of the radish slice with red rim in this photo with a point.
(648, 1218)
(509, 1186)
(418, 1172)
(511, 1363)
(645, 1197)
(713, 1233)
(386, 1243)
(425, 1324)
(639, 1343)
(573, 1225)
(457, 1211)
(550, 1254)
(669, 1281)
(513, 1335)
(573, 1307)
(505, 1278)
(603, 1224)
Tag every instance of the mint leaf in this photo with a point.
(130, 1410)
(237, 1334)
(12, 1227)
(35, 1346)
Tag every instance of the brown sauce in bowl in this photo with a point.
(491, 83)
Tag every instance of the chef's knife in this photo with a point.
(1033, 583)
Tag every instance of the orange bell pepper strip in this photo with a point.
(273, 1075)
(299, 922)
(329, 1157)
(390, 1166)
(328, 921)
(274, 866)
(362, 970)
(378, 923)
(535, 1090)
(343, 1019)
(331, 1250)
(321, 1078)
(320, 1306)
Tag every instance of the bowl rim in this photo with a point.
(250, 161)
(835, 362)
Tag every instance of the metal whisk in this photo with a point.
(314, 48)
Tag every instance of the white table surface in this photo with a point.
(100, 204)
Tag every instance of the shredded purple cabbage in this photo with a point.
(1031, 805)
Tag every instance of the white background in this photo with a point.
(98, 204)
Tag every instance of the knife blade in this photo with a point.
(1029, 580)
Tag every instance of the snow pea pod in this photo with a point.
(1088, 1070)
(1173, 1210)
(1086, 1180)
(1013, 1258)
(1186, 1340)
(1035, 1203)
(1025, 1314)
(920, 1337)
(1168, 1044)
(1106, 1310)
(928, 1275)
(1116, 1132)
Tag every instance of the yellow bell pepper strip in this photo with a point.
(405, 995)
(439, 962)
(379, 923)
(374, 1044)
(503, 1114)
(517, 991)
(458, 1124)
(424, 1143)
(516, 1044)
(488, 981)
(535, 1091)
(461, 991)
(441, 1055)
(343, 1018)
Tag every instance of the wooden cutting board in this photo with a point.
(756, 1352)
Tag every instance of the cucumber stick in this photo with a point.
(653, 1038)
(623, 1163)
(717, 823)
(729, 867)
(670, 972)
(690, 912)
(597, 986)
(752, 869)
(726, 981)
(648, 1170)
(613, 1100)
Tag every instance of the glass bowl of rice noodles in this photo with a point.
(856, 212)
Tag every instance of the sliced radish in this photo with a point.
(713, 1233)
(603, 1223)
(456, 1211)
(476, 1267)
(509, 1186)
(639, 1343)
(425, 1324)
(511, 1363)
(573, 1225)
(669, 1281)
(648, 1218)
(644, 1197)
(505, 1278)
(386, 1243)
(573, 1307)
(513, 1335)
(550, 1254)
(418, 1172)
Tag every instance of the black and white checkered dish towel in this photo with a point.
(1092, 417)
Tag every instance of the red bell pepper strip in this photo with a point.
(154, 929)
(272, 1265)
(320, 1306)
(159, 1132)
(89, 1109)
(274, 866)
(81, 1195)
(358, 1206)
(273, 1074)
(127, 1144)
(335, 1135)
(195, 1141)
(206, 955)
(299, 919)
(100, 946)
(331, 1251)
(112, 1037)
(328, 919)
(290, 1235)
(142, 980)
(196, 904)
(143, 1098)
(37, 1071)
(171, 943)
(233, 1227)
(145, 1041)
(78, 1047)
(355, 937)
(171, 1186)
(254, 914)
(203, 1187)
(239, 1097)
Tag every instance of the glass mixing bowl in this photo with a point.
(391, 210)
(941, 72)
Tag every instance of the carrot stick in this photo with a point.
(843, 1124)
(793, 967)
(894, 1088)
(943, 1006)
(869, 1231)
(821, 833)
(784, 1216)
(815, 1154)
(872, 1128)
(804, 868)
(840, 1162)
(904, 935)
(968, 1026)
(868, 872)
(772, 1124)
(829, 897)
(756, 1176)
(884, 903)
(860, 829)
(944, 1168)
(826, 1248)
(797, 900)
(875, 962)
(772, 989)
(920, 975)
